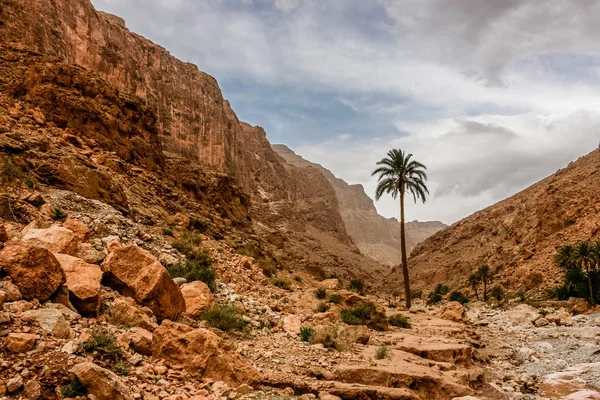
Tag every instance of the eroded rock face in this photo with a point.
(55, 238)
(202, 353)
(136, 273)
(83, 281)
(34, 270)
(100, 382)
(198, 297)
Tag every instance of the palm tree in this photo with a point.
(585, 258)
(485, 275)
(398, 175)
(474, 280)
(565, 256)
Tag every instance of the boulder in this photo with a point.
(292, 324)
(49, 319)
(34, 270)
(12, 291)
(15, 383)
(124, 311)
(20, 342)
(559, 318)
(329, 283)
(522, 314)
(101, 383)
(541, 322)
(453, 311)
(136, 273)
(83, 281)
(202, 353)
(141, 340)
(55, 238)
(79, 229)
(349, 335)
(32, 390)
(578, 305)
(197, 296)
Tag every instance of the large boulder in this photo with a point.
(83, 282)
(34, 270)
(124, 311)
(55, 238)
(453, 311)
(202, 353)
(136, 273)
(197, 296)
(79, 229)
(49, 319)
(101, 383)
(20, 342)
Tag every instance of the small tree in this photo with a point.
(585, 258)
(486, 276)
(474, 280)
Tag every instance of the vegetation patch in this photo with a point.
(497, 293)
(122, 368)
(336, 298)
(103, 343)
(400, 321)
(282, 284)
(358, 286)
(225, 318)
(195, 270)
(73, 389)
(581, 265)
(437, 295)
(306, 334)
(322, 307)
(365, 313)
(458, 296)
(382, 353)
(59, 215)
(268, 267)
(321, 293)
(249, 250)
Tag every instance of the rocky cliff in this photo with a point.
(517, 237)
(376, 236)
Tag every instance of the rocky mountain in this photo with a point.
(293, 214)
(376, 236)
(517, 237)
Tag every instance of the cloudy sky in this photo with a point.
(491, 95)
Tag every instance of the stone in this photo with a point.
(558, 318)
(135, 272)
(288, 391)
(327, 396)
(34, 270)
(36, 199)
(453, 311)
(49, 319)
(12, 291)
(55, 238)
(79, 229)
(541, 322)
(141, 340)
(197, 296)
(292, 324)
(101, 383)
(32, 390)
(83, 282)
(244, 389)
(329, 283)
(578, 305)
(20, 342)
(350, 335)
(522, 314)
(15, 383)
(179, 280)
(4, 317)
(202, 354)
(124, 311)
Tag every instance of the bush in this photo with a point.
(225, 318)
(298, 278)
(168, 232)
(59, 215)
(434, 298)
(282, 284)
(104, 343)
(196, 270)
(332, 275)
(497, 292)
(365, 313)
(458, 296)
(249, 250)
(400, 321)
(521, 295)
(30, 182)
(442, 289)
(321, 293)
(121, 368)
(73, 389)
(190, 245)
(560, 292)
(349, 318)
(306, 334)
(327, 337)
(358, 286)
(322, 307)
(268, 267)
(336, 298)
(416, 294)
(382, 352)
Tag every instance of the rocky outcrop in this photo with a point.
(202, 353)
(34, 270)
(138, 274)
(517, 237)
(55, 238)
(83, 282)
(376, 236)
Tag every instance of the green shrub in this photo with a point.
(521, 296)
(59, 215)
(322, 307)
(349, 318)
(224, 317)
(121, 368)
(30, 182)
(434, 298)
(497, 293)
(167, 231)
(358, 286)
(400, 321)
(306, 334)
(282, 284)
(327, 337)
(416, 294)
(442, 289)
(336, 298)
(73, 389)
(365, 313)
(190, 244)
(332, 275)
(196, 270)
(298, 278)
(458, 296)
(321, 293)
(104, 343)
(268, 267)
(382, 352)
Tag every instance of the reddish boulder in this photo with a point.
(34, 270)
(101, 383)
(202, 353)
(197, 296)
(453, 311)
(136, 273)
(55, 238)
(83, 282)
(79, 229)
(20, 342)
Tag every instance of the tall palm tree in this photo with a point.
(474, 280)
(400, 174)
(585, 259)
(565, 256)
(485, 275)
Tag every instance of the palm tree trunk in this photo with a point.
(589, 277)
(485, 290)
(403, 248)
(475, 290)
